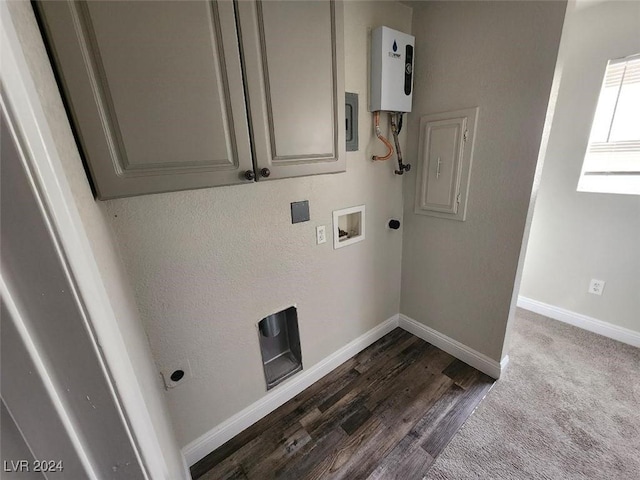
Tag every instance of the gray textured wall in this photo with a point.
(576, 236)
(458, 277)
(207, 265)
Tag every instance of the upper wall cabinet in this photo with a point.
(178, 95)
(295, 83)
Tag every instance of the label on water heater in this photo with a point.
(395, 49)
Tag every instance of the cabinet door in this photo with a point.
(294, 59)
(155, 92)
(444, 169)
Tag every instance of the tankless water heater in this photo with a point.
(391, 70)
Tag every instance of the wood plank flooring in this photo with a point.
(384, 414)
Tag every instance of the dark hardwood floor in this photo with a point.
(385, 413)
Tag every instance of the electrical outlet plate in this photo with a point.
(300, 211)
(321, 234)
(165, 373)
(596, 286)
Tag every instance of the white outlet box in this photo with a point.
(596, 286)
(321, 234)
(348, 226)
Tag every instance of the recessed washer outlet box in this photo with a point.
(348, 226)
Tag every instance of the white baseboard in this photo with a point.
(185, 466)
(476, 359)
(214, 438)
(594, 325)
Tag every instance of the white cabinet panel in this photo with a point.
(294, 61)
(445, 155)
(441, 159)
(174, 95)
(164, 81)
(155, 92)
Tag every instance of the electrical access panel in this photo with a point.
(391, 70)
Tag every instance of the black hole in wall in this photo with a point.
(177, 375)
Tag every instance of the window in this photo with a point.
(612, 161)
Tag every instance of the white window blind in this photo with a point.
(614, 143)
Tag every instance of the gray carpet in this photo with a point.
(568, 407)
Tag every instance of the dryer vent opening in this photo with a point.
(280, 346)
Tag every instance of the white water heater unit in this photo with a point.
(391, 70)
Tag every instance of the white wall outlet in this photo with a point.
(177, 374)
(596, 286)
(321, 234)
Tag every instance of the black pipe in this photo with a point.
(394, 130)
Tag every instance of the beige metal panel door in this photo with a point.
(294, 76)
(155, 89)
(444, 167)
(440, 156)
